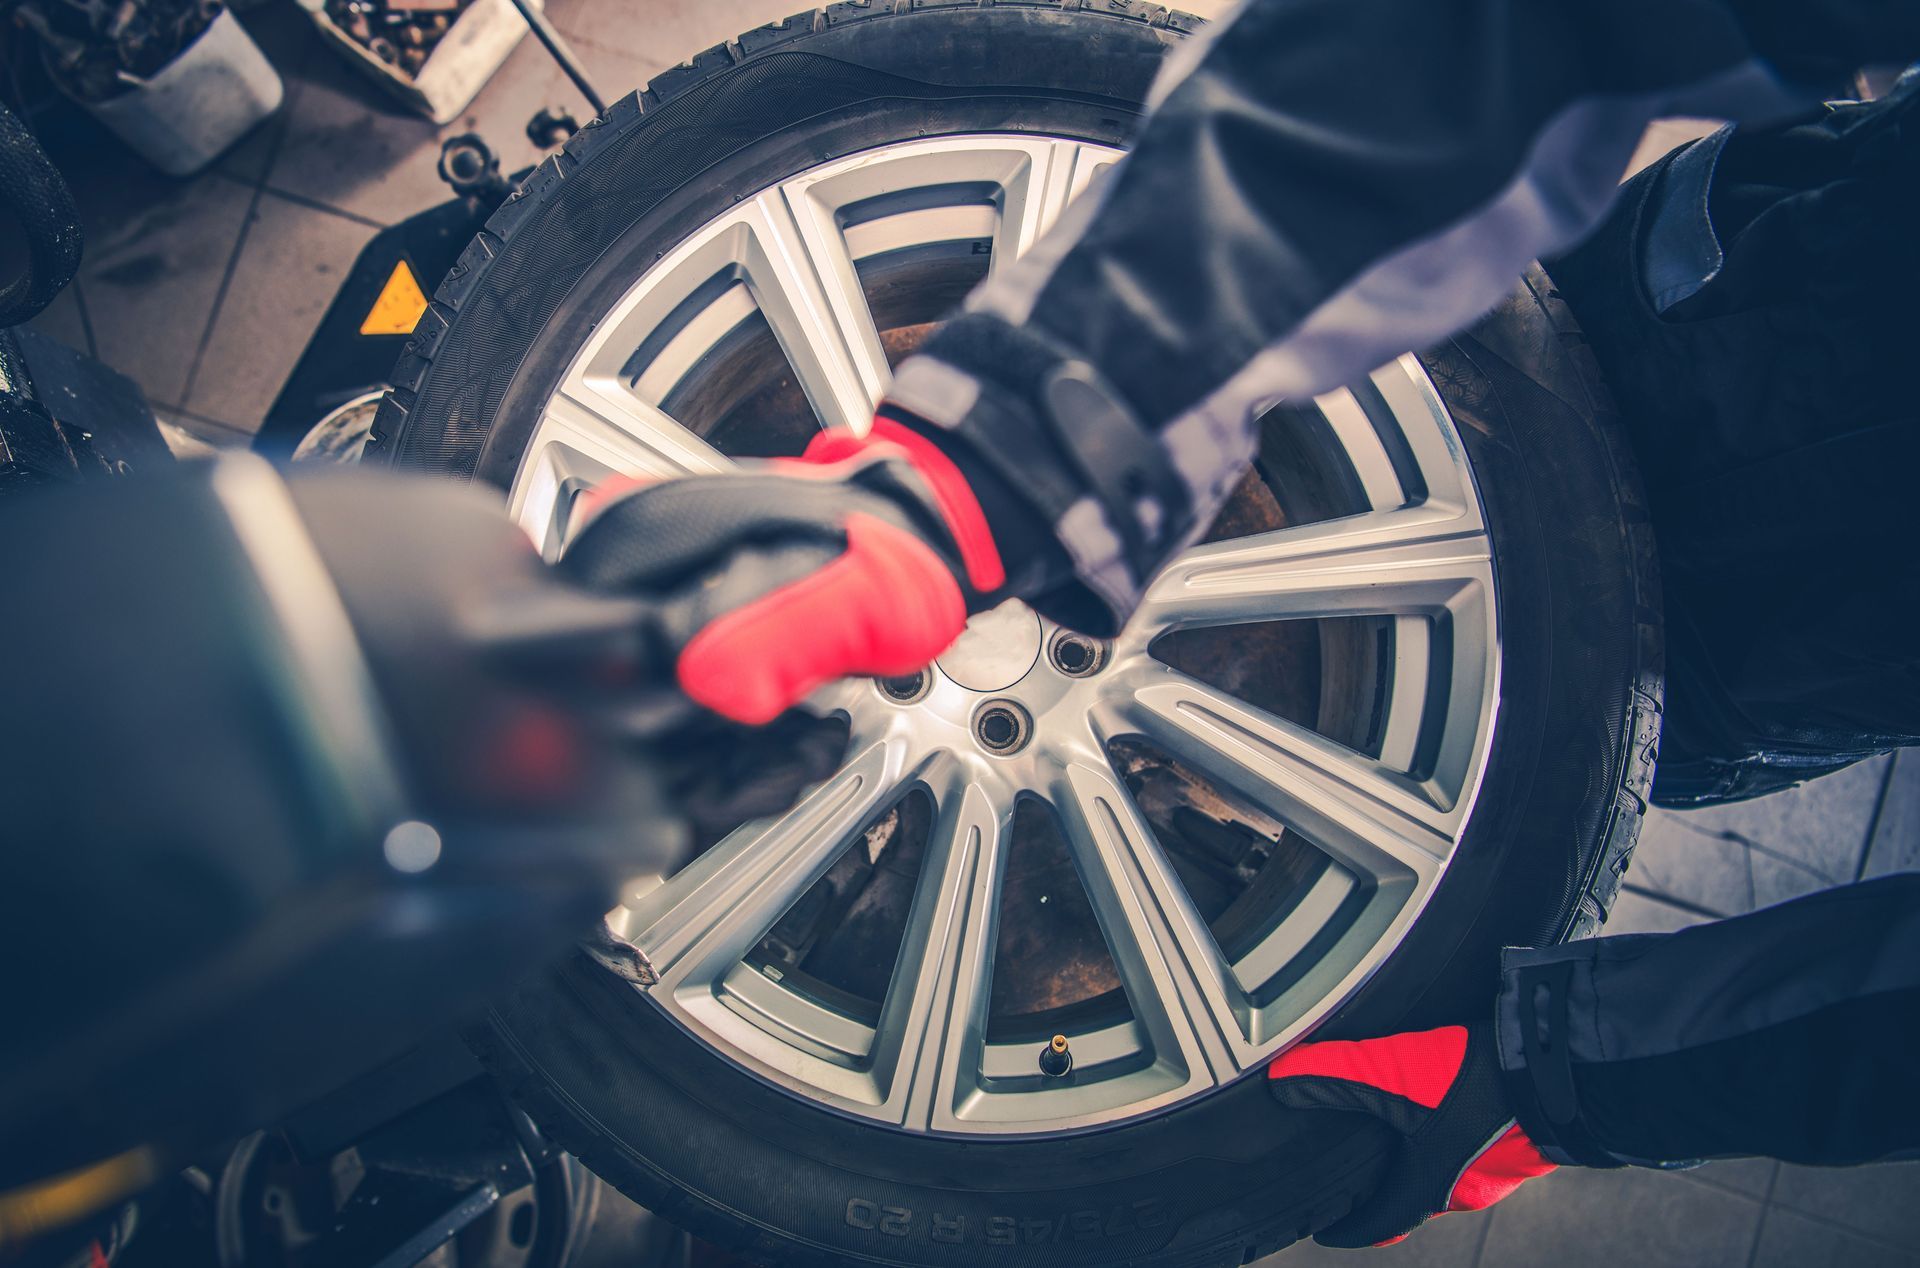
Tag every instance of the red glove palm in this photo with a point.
(862, 557)
(1441, 1090)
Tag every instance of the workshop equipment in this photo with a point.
(178, 80)
(421, 1152)
(434, 55)
(364, 330)
(66, 418)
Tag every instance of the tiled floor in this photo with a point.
(206, 291)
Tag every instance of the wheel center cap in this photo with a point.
(996, 649)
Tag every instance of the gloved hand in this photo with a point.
(1441, 1090)
(862, 557)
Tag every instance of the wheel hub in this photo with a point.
(997, 649)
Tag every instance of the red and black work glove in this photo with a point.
(1441, 1090)
(862, 557)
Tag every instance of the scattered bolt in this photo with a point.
(1055, 1060)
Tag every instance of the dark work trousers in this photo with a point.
(1776, 414)
(1791, 1032)
(1776, 417)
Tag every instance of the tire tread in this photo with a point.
(1640, 741)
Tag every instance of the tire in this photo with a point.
(37, 212)
(1225, 1177)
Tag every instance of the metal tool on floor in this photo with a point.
(563, 53)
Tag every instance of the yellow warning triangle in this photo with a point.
(398, 309)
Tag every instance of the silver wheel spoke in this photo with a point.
(1039, 190)
(935, 1018)
(1405, 561)
(634, 438)
(803, 279)
(698, 925)
(1372, 819)
(1166, 959)
(591, 432)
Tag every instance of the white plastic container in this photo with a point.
(455, 71)
(200, 103)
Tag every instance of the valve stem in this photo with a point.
(1055, 1060)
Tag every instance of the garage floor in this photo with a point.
(207, 290)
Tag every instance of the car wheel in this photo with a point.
(1001, 990)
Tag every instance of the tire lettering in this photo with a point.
(871, 1217)
(1007, 1230)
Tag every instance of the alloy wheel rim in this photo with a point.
(1411, 553)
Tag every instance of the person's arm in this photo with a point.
(1319, 186)
(1786, 1033)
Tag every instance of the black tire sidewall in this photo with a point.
(747, 1164)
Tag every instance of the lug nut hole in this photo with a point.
(906, 688)
(1076, 655)
(1002, 727)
